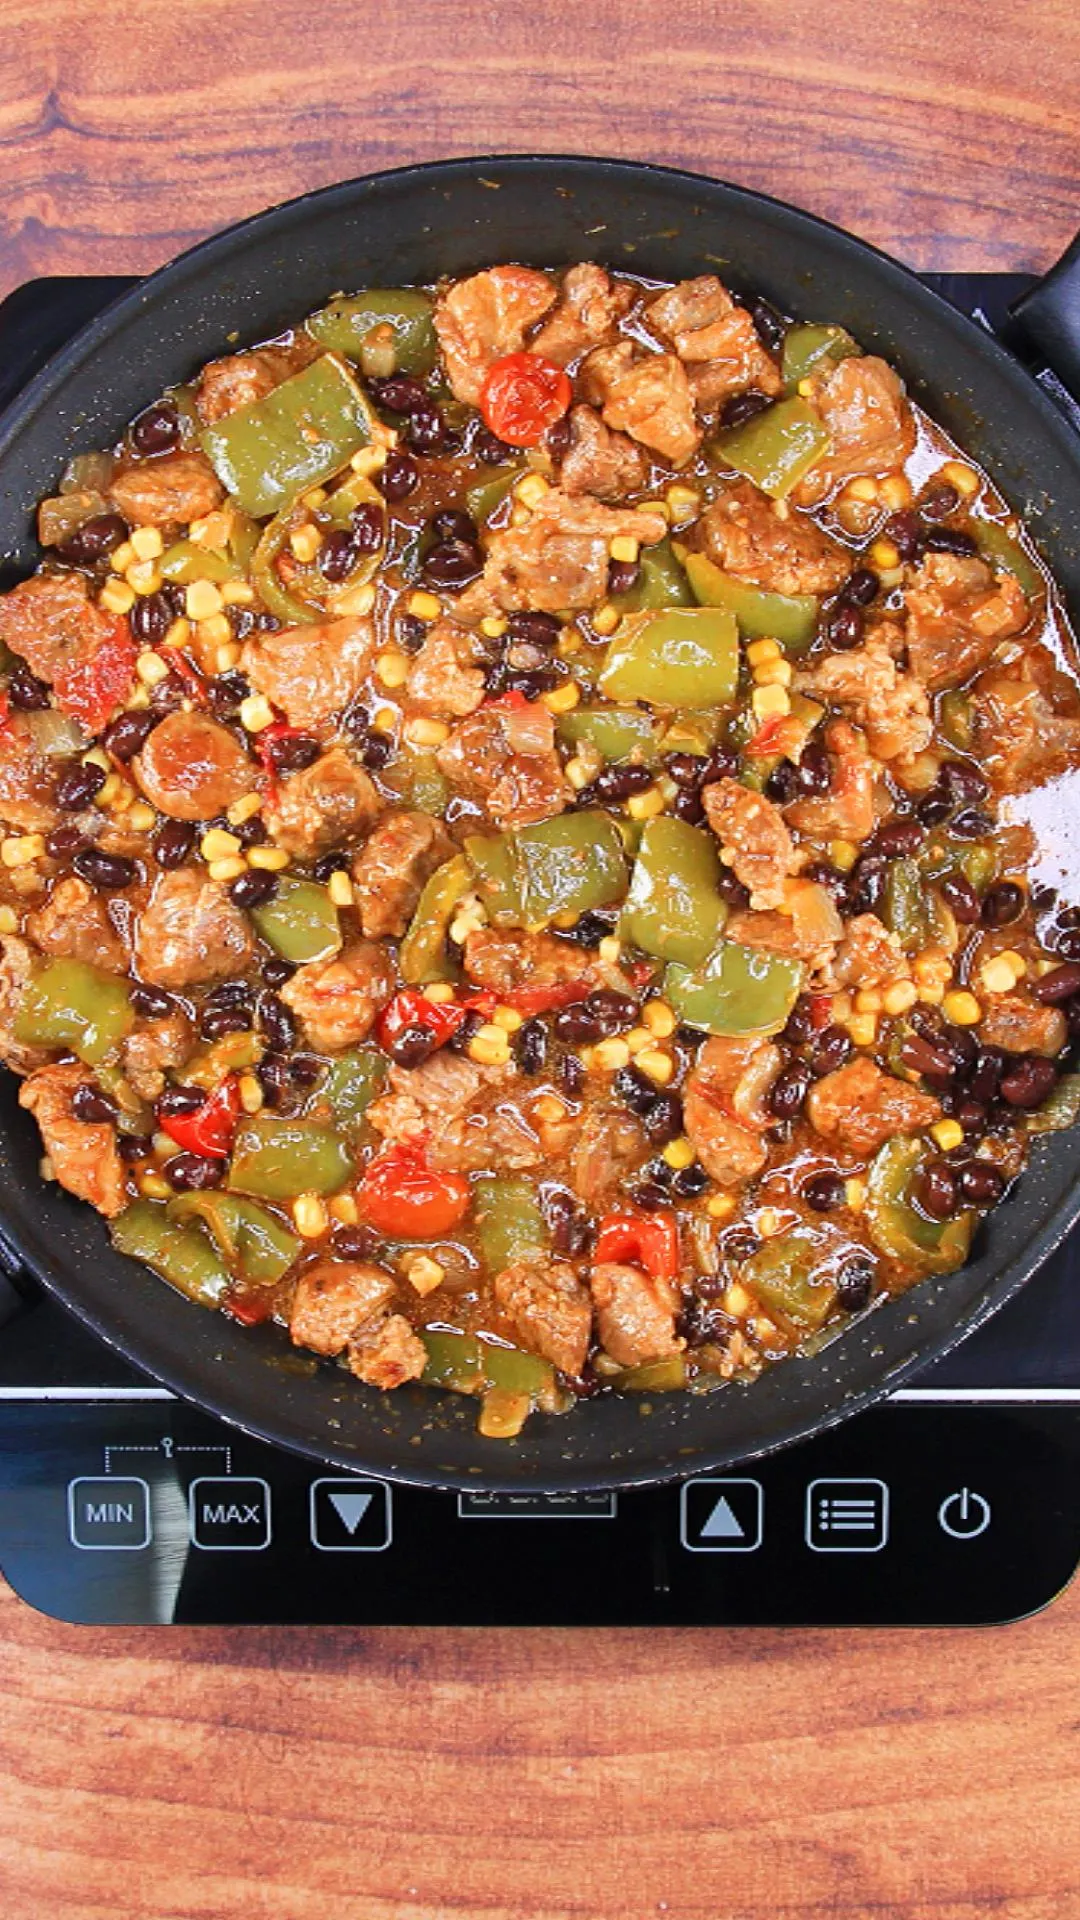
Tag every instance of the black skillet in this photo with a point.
(414, 225)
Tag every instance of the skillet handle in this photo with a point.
(1049, 314)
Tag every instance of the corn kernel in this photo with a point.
(625, 548)
(864, 488)
(947, 1134)
(369, 460)
(508, 1018)
(117, 597)
(226, 657)
(645, 806)
(956, 473)
(895, 492)
(961, 1008)
(439, 992)
(9, 920)
(392, 669)
(774, 673)
(243, 809)
(384, 719)
(422, 732)
(760, 652)
(862, 1028)
(659, 1018)
(251, 1093)
(217, 632)
(737, 1301)
(884, 555)
(122, 557)
(97, 757)
(855, 1194)
(658, 1067)
(423, 1273)
(487, 1052)
(237, 593)
(256, 713)
(579, 772)
(340, 889)
(227, 869)
(144, 576)
(549, 1109)
(155, 1186)
(610, 949)
(562, 699)
(344, 1208)
(309, 1216)
(769, 1222)
(21, 849)
(1016, 961)
(268, 859)
(678, 1154)
(768, 702)
(532, 489)
(355, 600)
(519, 516)
(423, 606)
(720, 1206)
(637, 1038)
(843, 854)
(178, 633)
(900, 996)
(996, 976)
(305, 542)
(868, 1000)
(931, 996)
(151, 668)
(605, 619)
(202, 600)
(806, 388)
(141, 818)
(682, 502)
(657, 506)
(569, 641)
(216, 844)
(494, 625)
(611, 1055)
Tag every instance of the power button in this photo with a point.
(963, 1515)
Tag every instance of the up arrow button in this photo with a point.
(722, 1515)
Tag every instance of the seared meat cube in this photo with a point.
(610, 1146)
(549, 1309)
(859, 1107)
(190, 933)
(1019, 1025)
(871, 427)
(754, 840)
(168, 491)
(322, 806)
(1026, 723)
(387, 1353)
(481, 319)
(16, 966)
(591, 304)
(506, 758)
(646, 395)
(311, 673)
(743, 533)
(239, 379)
(598, 461)
(892, 707)
(468, 1113)
(558, 559)
(390, 870)
(337, 1000)
(847, 810)
(506, 959)
(957, 613)
(154, 1046)
(74, 924)
(333, 1299)
(83, 1154)
(716, 338)
(635, 1314)
(443, 679)
(724, 1107)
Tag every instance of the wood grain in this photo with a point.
(292, 1775)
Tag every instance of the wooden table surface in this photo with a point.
(291, 1775)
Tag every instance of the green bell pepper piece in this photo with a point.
(955, 718)
(514, 1371)
(1059, 1110)
(181, 1255)
(661, 582)
(509, 1223)
(490, 488)
(776, 448)
(652, 1376)
(567, 865)
(812, 349)
(781, 1276)
(467, 1365)
(256, 1245)
(186, 562)
(790, 619)
(896, 1226)
(277, 1159)
(426, 784)
(739, 990)
(307, 597)
(1007, 555)
(344, 324)
(267, 453)
(674, 909)
(619, 733)
(494, 874)
(353, 1082)
(686, 657)
(905, 904)
(69, 1004)
(423, 956)
(300, 922)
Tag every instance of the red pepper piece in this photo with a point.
(530, 1000)
(403, 1196)
(642, 1240)
(411, 1008)
(251, 1309)
(209, 1130)
(524, 395)
(92, 689)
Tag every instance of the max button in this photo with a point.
(229, 1515)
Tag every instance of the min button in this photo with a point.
(109, 1513)
(229, 1515)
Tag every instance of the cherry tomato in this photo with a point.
(92, 689)
(523, 396)
(643, 1240)
(403, 1196)
(209, 1130)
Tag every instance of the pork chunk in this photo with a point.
(387, 1353)
(311, 673)
(847, 810)
(549, 1309)
(190, 933)
(591, 304)
(715, 337)
(443, 680)
(867, 956)
(391, 868)
(724, 1111)
(743, 533)
(470, 1115)
(558, 559)
(646, 395)
(171, 490)
(239, 379)
(635, 1314)
(337, 1000)
(1020, 1025)
(192, 767)
(16, 966)
(84, 1154)
(26, 782)
(608, 465)
(154, 1046)
(74, 924)
(505, 960)
(859, 1107)
(892, 707)
(60, 631)
(334, 1299)
(871, 427)
(480, 319)
(323, 805)
(505, 757)
(958, 611)
(754, 840)
(610, 1146)
(1025, 723)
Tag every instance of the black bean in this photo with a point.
(1067, 944)
(216, 1022)
(685, 769)
(89, 1104)
(769, 326)
(190, 1172)
(93, 540)
(231, 993)
(253, 889)
(634, 1090)
(426, 430)
(700, 1324)
(542, 629)
(305, 1070)
(377, 752)
(800, 1021)
(64, 842)
(972, 824)
(824, 1191)
(337, 555)
(77, 786)
(152, 1002)
(739, 1244)
(731, 889)
(933, 1062)
(452, 563)
(328, 863)
(126, 736)
(689, 1181)
(789, 1090)
(965, 785)
(400, 393)
(939, 502)
(1003, 904)
(905, 531)
(961, 898)
(399, 477)
(855, 1284)
(250, 833)
(151, 617)
(354, 1243)
(663, 1118)
(570, 1074)
(866, 883)
(984, 1079)
(272, 1074)
(721, 764)
(949, 540)
(134, 1146)
(829, 1051)
(275, 971)
(934, 807)
(599, 1016)
(1059, 985)
(225, 693)
(25, 691)
(981, 1184)
(181, 1099)
(173, 842)
(104, 871)
(622, 576)
(831, 878)
(1028, 1080)
(815, 770)
(567, 1221)
(412, 1046)
(290, 752)
(782, 785)
(963, 1046)
(470, 1026)
(451, 524)
(486, 446)
(860, 588)
(842, 627)
(742, 407)
(590, 928)
(157, 429)
(938, 1194)
(972, 1115)
(688, 806)
(368, 524)
(618, 783)
(650, 1196)
(531, 1047)
(897, 838)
